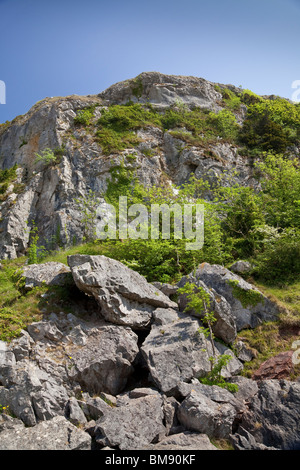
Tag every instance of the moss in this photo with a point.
(248, 297)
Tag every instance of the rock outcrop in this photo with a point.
(45, 196)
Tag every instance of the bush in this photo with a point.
(280, 261)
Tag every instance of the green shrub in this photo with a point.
(280, 260)
(84, 116)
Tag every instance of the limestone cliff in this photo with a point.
(45, 196)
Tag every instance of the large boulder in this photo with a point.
(206, 414)
(134, 424)
(176, 352)
(249, 306)
(125, 297)
(104, 363)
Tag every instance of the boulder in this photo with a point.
(125, 297)
(30, 393)
(277, 367)
(224, 327)
(51, 274)
(104, 363)
(176, 352)
(198, 412)
(133, 425)
(273, 416)
(249, 306)
(55, 434)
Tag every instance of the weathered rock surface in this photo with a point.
(200, 413)
(277, 367)
(224, 327)
(248, 305)
(132, 425)
(47, 195)
(273, 416)
(104, 363)
(55, 434)
(125, 297)
(50, 274)
(184, 441)
(176, 352)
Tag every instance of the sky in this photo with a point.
(65, 47)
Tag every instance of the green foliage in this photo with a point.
(84, 116)
(198, 301)
(214, 377)
(279, 262)
(137, 88)
(48, 157)
(270, 124)
(280, 196)
(9, 174)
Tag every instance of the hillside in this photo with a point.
(95, 333)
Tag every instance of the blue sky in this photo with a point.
(64, 47)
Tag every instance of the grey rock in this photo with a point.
(163, 90)
(245, 441)
(133, 425)
(94, 407)
(273, 415)
(200, 413)
(248, 312)
(225, 326)
(44, 330)
(243, 353)
(163, 316)
(104, 363)
(184, 441)
(241, 267)
(30, 393)
(55, 434)
(176, 352)
(74, 412)
(125, 297)
(50, 274)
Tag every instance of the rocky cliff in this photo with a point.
(44, 195)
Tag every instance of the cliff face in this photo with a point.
(45, 196)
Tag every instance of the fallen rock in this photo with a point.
(277, 367)
(55, 434)
(125, 297)
(30, 393)
(200, 413)
(176, 352)
(248, 305)
(51, 274)
(104, 363)
(133, 425)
